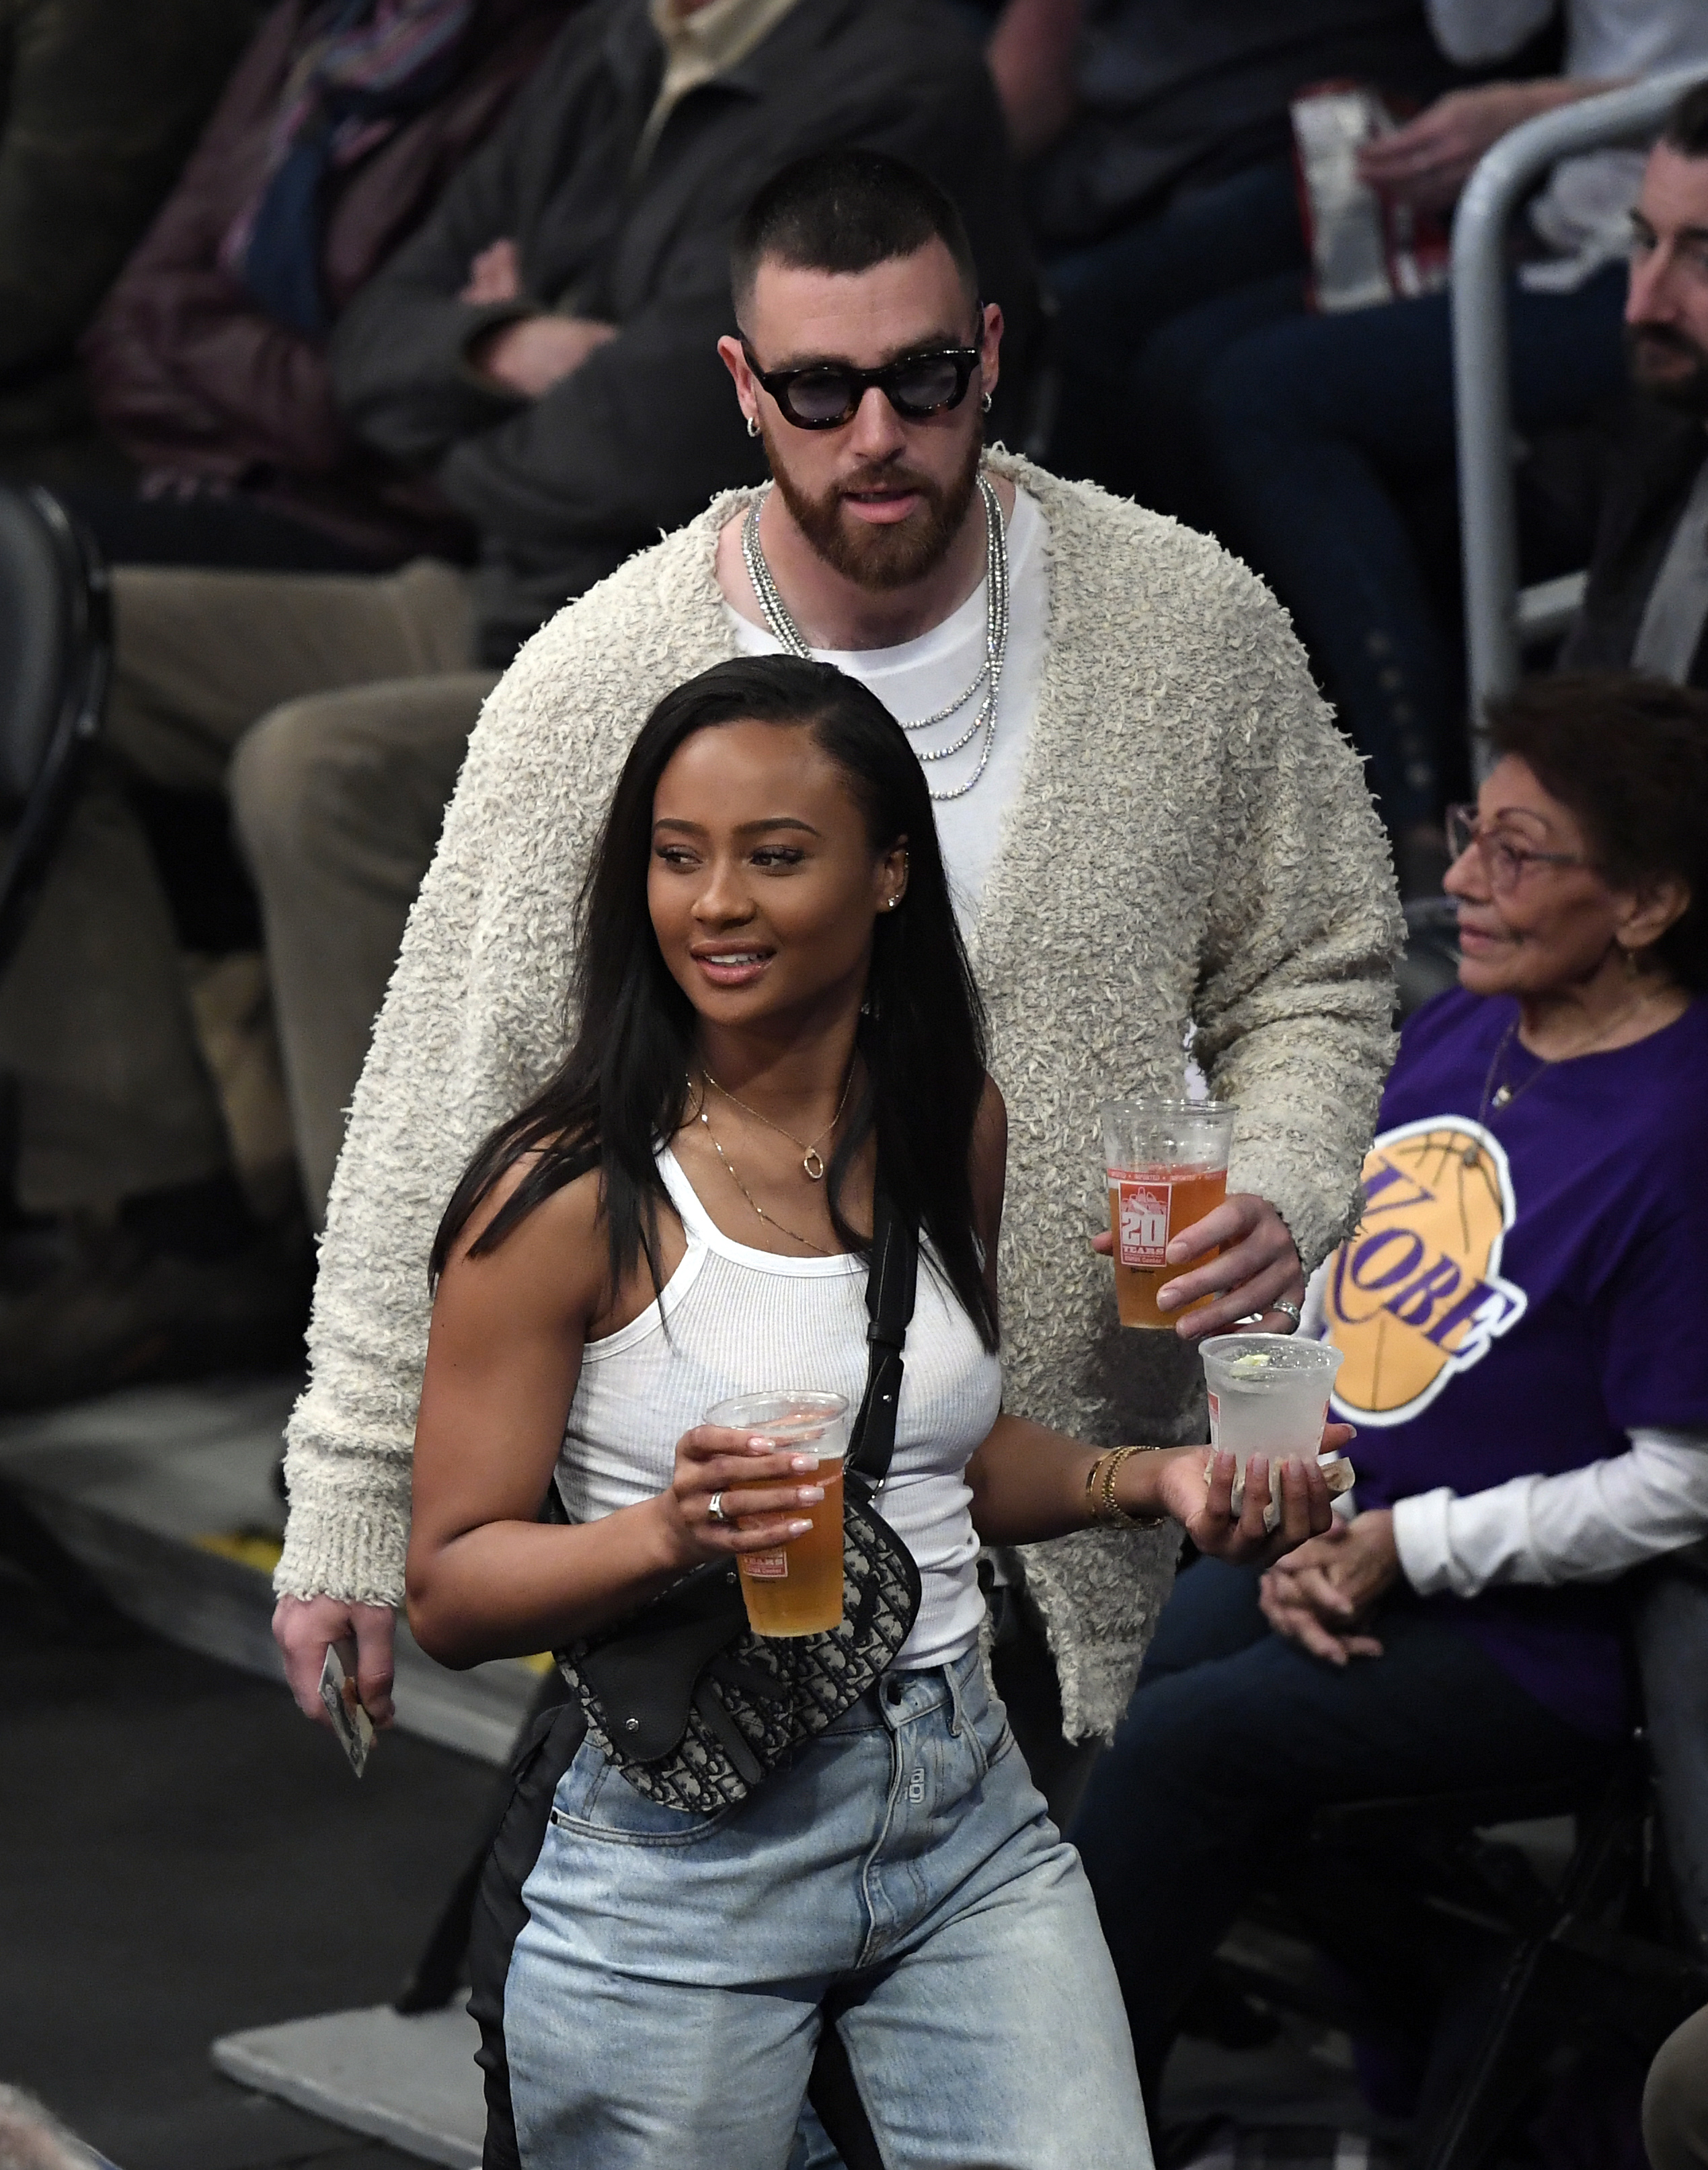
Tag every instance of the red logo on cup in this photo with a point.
(1144, 1222)
(766, 1567)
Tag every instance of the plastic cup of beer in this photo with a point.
(1167, 1165)
(797, 1589)
(1268, 1395)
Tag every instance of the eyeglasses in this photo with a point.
(1504, 860)
(826, 394)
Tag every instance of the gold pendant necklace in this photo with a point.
(805, 1241)
(812, 1162)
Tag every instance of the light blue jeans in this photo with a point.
(662, 2006)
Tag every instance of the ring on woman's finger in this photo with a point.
(1289, 1309)
(714, 1509)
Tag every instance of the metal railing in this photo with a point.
(1498, 619)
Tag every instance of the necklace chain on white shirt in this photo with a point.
(914, 676)
(787, 635)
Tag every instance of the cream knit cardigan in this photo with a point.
(1192, 842)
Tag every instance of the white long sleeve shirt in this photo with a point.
(1585, 1524)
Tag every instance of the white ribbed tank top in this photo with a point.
(741, 1320)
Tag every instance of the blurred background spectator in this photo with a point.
(1292, 435)
(543, 354)
(207, 364)
(101, 100)
(1159, 168)
(1646, 605)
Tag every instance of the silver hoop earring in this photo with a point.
(752, 426)
(985, 404)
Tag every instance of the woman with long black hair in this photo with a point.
(779, 1044)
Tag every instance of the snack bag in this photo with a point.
(1364, 250)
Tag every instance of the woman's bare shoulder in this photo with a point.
(554, 1258)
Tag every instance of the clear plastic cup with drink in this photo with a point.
(797, 1589)
(1268, 1395)
(1166, 1165)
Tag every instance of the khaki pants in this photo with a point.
(336, 707)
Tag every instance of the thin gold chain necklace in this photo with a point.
(811, 1163)
(771, 1219)
(1496, 1101)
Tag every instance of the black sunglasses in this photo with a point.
(826, 394)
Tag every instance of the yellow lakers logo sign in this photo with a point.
(1417, 1295)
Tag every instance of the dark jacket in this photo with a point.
(188, 375)
(99, 101)
(638, 439)
(1649, 479)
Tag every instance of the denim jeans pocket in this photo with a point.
(982, 1715)
(594, 1800)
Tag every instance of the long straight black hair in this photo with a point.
(623, 1088)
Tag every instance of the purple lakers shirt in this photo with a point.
(1522, 1292)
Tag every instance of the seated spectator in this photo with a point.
(545, 352)
(1161, 169)
(1288, 433)
(101, 100)
(1520, 1312)
(206, 365)
(1646, 605)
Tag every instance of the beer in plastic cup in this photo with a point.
(797, 1589)
(1268, 1395)
(1166, 1164)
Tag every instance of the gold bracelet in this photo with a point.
(1100, 1504)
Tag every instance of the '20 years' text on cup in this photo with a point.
(1165, 1162)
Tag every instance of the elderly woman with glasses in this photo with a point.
(1523, 1314)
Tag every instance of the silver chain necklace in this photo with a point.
(786, 633)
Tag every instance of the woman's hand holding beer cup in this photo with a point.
(713, 1459)
(1256, 1262)
(1172, 1482)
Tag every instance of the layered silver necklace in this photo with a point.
(787, 634)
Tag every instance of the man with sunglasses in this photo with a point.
(1149, 817)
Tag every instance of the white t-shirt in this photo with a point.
(917, 678)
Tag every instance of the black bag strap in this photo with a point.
(892, 1283)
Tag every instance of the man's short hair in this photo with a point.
(1686, 130)
(843, 211)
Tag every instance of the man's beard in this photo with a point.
(1687, 392)
(884, 555)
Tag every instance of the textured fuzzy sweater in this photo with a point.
(1192, 843)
